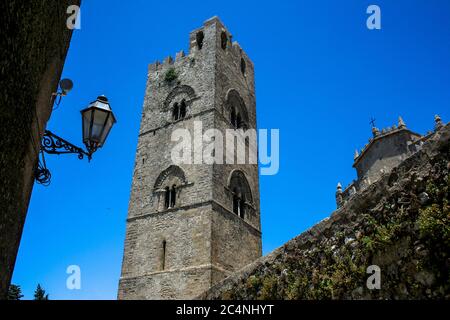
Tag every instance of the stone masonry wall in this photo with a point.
(187, 233)
(400, 223)
(34, 42)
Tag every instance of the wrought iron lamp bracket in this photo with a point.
(53, 144)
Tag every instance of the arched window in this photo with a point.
(178, 102)
(168, 188)
(240, 193)
(237, 110)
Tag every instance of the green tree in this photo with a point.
(39, 293)
(14, 292)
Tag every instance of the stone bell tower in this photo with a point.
(191, 225)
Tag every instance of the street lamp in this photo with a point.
(97, 121)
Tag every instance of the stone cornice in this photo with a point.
(212, 203)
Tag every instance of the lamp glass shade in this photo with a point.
(97, 121)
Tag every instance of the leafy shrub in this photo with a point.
(170, 75)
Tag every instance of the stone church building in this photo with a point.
(190, 226)
(385, 150)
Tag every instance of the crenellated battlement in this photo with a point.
(167, 62)
(205, 42)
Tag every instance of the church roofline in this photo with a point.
(381, 136)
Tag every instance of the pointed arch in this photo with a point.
(236, 110)
(241, 191)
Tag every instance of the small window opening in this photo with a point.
(167, 198)
(163, 255)
(243, 66)
(224, 40)
(170, 197)
(199, 38)
(179, 111)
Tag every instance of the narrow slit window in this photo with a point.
(224, 40)
(163, 255)
(243, 66)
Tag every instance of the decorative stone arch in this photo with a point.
(168, 188)
(235, 104)
(240, 195)
(172, 175)
(180, 95)
(237, 178)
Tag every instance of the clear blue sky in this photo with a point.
(320, 76)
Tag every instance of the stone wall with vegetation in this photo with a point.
(400, 223)
(34, 40)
